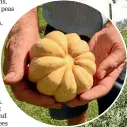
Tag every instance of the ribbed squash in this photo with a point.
(62, 66)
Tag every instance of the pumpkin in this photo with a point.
(61, 66)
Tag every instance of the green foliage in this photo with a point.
(122, 26)
(116, 116)
(42, 22)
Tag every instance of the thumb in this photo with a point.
(110, 63)
(14, 64)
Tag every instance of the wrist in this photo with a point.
(25, 31)
(26, 25)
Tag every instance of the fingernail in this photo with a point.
(10, 75)
(102, 74)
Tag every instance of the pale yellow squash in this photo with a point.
(62, 66)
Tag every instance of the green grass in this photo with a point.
(42, 114)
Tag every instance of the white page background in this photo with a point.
(15, 116)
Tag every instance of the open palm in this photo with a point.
(108, 48)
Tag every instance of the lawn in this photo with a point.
(42, 114)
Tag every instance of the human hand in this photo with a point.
(108, 48)
(21, 39)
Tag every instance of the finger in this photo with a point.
(110, 63)
(75, 102)
(51, 106)
(103, 87)
(15, 57)
(23, 93)
(112, 69)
